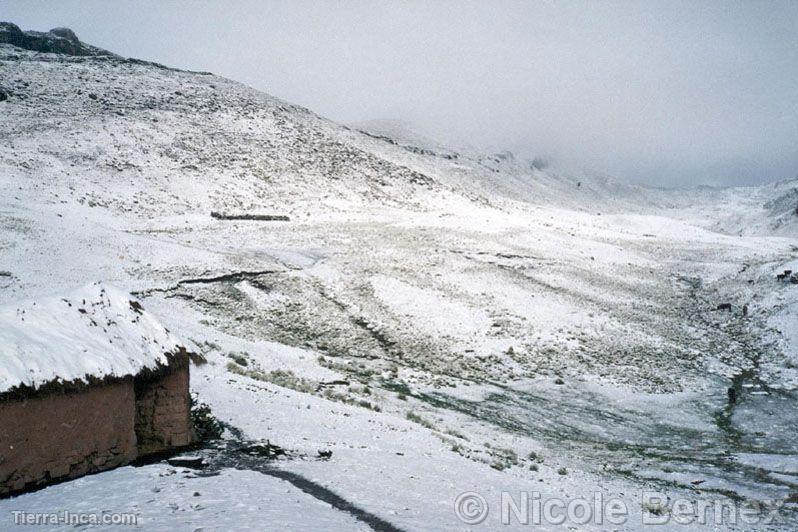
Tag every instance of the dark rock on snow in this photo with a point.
(255, 217)
(732, 393)
(55, 41)
(267, 450)
(193, 462)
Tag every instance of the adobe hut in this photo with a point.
(87, 383)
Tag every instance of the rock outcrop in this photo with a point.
(56, 41)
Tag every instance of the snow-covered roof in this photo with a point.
(96, 331)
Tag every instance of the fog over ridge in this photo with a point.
(663, 93)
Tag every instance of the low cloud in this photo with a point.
(666, 93)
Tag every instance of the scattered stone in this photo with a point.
(655, 509)
(559, 381)
(724, 306)
(323, 385)
(253, 217)
(787, 276)
(191, 462)
(266, 450)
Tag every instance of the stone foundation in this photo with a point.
(162, 407)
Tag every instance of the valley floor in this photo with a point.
(488, 350)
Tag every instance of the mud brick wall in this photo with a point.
(163, 409)
(62, 436)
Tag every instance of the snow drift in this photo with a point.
(96, 331)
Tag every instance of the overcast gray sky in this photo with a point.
(659, 92)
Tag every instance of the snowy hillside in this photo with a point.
(441, 321)
(770, 209)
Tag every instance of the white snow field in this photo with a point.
(442, 321)
(98, 331)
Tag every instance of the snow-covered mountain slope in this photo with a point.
(504, 177)
(402, 133)
(432, 319)
(137, 134)
(770, 209)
